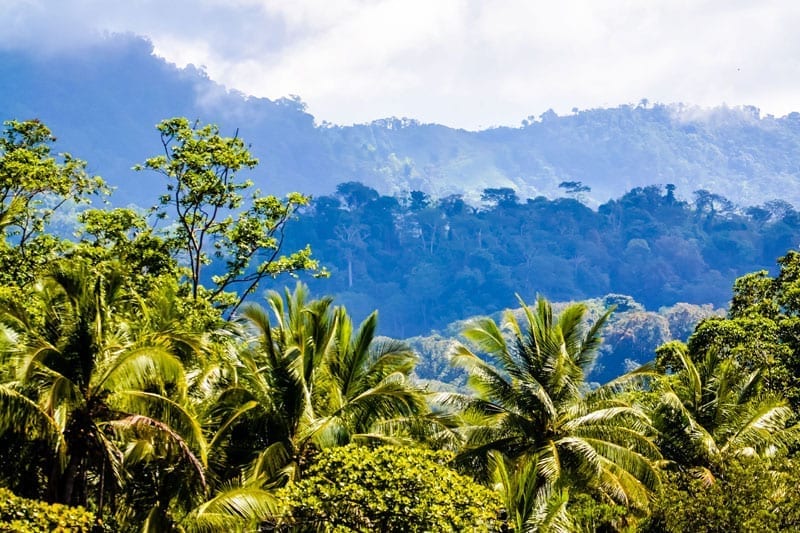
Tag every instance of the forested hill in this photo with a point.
(103, 101)
(425, 262)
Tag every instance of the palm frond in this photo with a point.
(549, 463)
(37, 355)
(239, 412)
(570, 322)
(486, 335)
(235, 507)
(604, 416)
(21, 415)
(167, 411)
(140, 369)
(483, 377)
(637, 467)
(438, 430)
(760, 425)
(584, 356)
(272, 465)
(552, 513)
(149, 427)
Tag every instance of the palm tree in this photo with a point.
(177, 324)
(530, 506)
(82, 382)
(310, 380)
(536, 409)
(712, 409)
(362, 382)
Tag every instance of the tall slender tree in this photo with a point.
(204, 192)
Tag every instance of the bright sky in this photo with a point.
(463, 63)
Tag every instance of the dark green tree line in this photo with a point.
(450, 259)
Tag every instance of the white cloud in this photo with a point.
(459, 62)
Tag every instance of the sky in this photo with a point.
(463, 63)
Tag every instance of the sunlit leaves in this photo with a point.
(535, 409)
(389, 489)
(214, 217)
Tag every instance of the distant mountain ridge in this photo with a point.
(103, 102)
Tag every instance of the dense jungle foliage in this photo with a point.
(426, 262)
(152, 396)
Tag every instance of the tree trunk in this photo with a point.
(350, 272)
(67, 482)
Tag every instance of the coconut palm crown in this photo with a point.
(82, 382)
(712, 408)
(308, 379)
(533, 403)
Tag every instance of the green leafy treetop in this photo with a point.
(391, 488)
(214, 220)
(33, 185)
(762, 329)
(124, 236)
(753, 495)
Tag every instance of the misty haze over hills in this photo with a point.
(103, 102)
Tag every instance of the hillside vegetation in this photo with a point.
(426, 262)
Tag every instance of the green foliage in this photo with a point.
(125, 236)
(762, 329)
(532, 405)
(207, 201)
(30, 175)
(530, 504)
(232, 508)
(355, 488)
(592, 515)
(33, 186)
(31, 516)
(309, 380)
(748, 496)
(100, 400)
(713, 409)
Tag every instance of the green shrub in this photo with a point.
(391, 488)
(746, 496)
(32, 516)
(601, 516)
